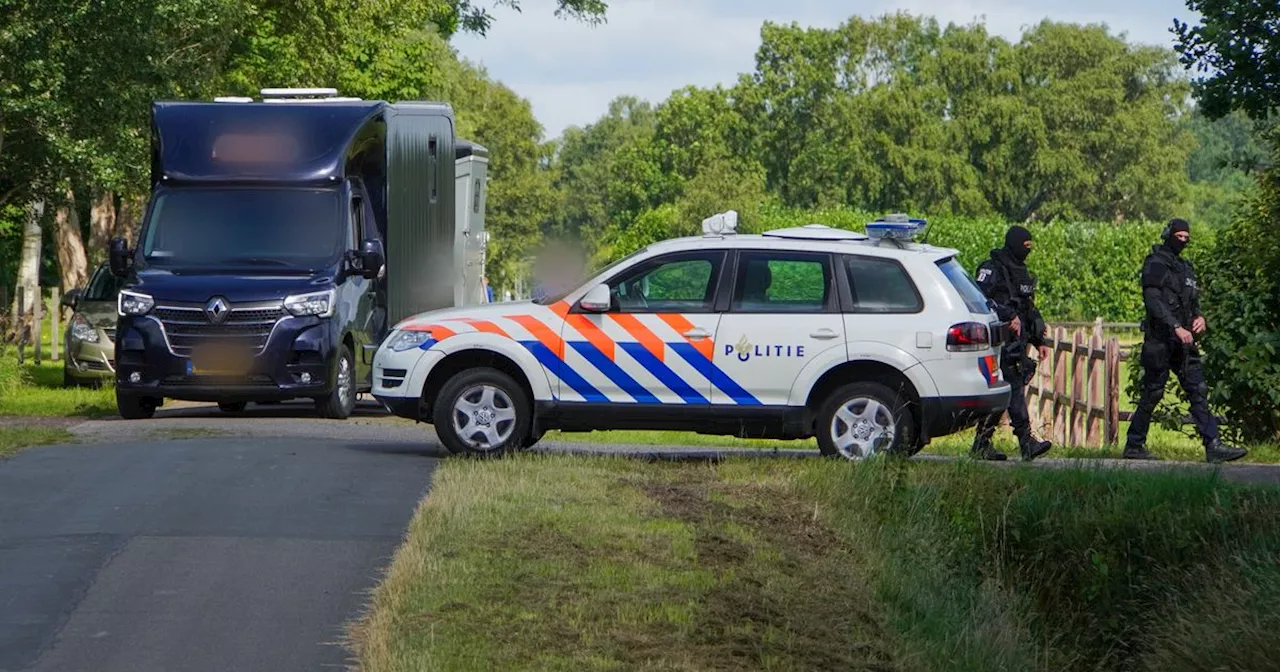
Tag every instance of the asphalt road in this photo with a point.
(204, 554)
(246, 546)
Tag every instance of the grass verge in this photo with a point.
(13, 439)
(32, 390)
(556, 562)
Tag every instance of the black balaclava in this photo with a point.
(1015, 240)
(1175, 225)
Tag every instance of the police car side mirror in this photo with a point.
(597, 300)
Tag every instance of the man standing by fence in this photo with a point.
(1008, 284)
(1172, 300)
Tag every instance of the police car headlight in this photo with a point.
(81, 330)
(408, 340)
(133, 303)
(318, 304)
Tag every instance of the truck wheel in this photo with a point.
(233, 407)
(482, 412)
(135, 407)
(341, 400)
(861, 420)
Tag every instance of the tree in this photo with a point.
(453, 15)
(1237, 41)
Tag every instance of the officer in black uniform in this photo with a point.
(1168, 343)
(1011, 289)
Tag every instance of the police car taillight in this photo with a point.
(968, 337)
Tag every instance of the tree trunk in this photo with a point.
(131, 210)
(72, 262)
(29, 264)
(102, 225)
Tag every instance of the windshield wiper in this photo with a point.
(263, 261)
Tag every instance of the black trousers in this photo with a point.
(1159, 357)
(1018, 416)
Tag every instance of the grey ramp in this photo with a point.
(197, 555)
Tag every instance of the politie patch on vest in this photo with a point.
(983, 274)
(1191, 282)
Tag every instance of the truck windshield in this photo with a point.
(248, 226)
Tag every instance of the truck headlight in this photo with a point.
(133, 303)
(408, 340)
(318, 304)
(81, 330)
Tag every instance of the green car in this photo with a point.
(91, 331)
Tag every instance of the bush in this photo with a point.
(1086, 269)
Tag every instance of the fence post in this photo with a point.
(37, 317)
(1097, 393)
(1078, 368)
(1061, 362)
(20, 323)
(54, 314)
(1113, 391)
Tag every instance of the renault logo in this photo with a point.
(216, 310)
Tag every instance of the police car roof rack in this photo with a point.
(814, 232)
(312, 95)
(898, 228)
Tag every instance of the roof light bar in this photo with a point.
(895, 227)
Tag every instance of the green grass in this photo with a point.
(570, 563)
(32, 390)
(13, 439)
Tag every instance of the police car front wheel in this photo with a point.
(864, 419)
(482, 412)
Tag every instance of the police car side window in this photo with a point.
(683, 283)
(783, 282)
(881, 286)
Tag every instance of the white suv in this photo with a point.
(871, 343)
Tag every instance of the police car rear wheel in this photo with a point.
(482, 412)
(861, 420)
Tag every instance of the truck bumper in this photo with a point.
(299, 349)
(947, 415)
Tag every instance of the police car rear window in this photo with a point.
(969, 291)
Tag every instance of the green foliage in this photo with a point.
(1235, 41)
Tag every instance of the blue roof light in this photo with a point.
(897, 227)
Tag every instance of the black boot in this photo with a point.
(1031, 447)
(983, 450)
(1216, 453)
(1135, 451)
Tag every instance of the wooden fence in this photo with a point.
(1074, 398)
(25, 329)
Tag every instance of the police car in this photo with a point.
(870, 342)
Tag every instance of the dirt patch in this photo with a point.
(789, 596)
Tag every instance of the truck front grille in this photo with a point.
(188, 326)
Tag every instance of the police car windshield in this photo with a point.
(973, 297)
(301, 228)
(560, 293)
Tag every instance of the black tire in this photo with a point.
(531, 439)
(232, 407)
(877, 405)
(67, 380)
(136, 407)
(336, 405)
(486, 389)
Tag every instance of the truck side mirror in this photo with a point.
(597, 300)
(118, 257)
(72, 298)
(371, 258)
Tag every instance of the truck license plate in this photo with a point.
(220, 360)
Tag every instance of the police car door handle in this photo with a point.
(696, 333)
(823, 334)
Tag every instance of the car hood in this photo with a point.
(250, 286)
(487, 311)
(99, 313)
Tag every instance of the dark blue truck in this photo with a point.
(282, 239)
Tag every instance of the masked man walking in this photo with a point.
(1169, 333)
(1011, 288)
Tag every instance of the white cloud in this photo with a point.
(570, 71)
